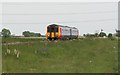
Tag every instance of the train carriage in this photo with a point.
(55, 32)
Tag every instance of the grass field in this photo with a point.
(0, 55)
(9, 40)
(76, 56)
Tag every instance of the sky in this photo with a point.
(88, 17)
(59, 0)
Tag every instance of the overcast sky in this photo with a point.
(88, 17)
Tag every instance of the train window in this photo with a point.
(52, 29)
(48, 29)
(56, 29)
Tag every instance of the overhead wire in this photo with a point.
(100, 20)
(70, 13)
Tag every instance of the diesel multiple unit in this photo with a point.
(55, 32)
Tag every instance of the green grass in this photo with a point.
(77, 56)
(0, 55)
(8, 40)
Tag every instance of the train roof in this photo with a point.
(62, 26)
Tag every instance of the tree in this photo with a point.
(0, 34)
(26, 33)
(84, 35)
(109, 35)
(37, 34)
(118, 33)
(102, 34)
(6, 32)
(96, 34)
(31, 34)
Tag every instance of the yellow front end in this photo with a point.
(52, 34)
(47, 35)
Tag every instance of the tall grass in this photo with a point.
(76, 56)
(0, 55)
(9, 40)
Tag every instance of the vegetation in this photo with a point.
(110, 35)
(102, 34)
(10, 40)
(31, 34)
(6, 32)
(0, 55)
(118, 33)
(88, 55)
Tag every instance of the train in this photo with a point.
(55, 32)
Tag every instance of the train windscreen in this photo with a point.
(52, 29)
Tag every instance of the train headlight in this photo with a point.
(57, 34)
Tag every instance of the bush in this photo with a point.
(109, 35)
(6, 32)
(102, 34)
(31, 34)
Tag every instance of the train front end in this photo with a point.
(52, 32)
